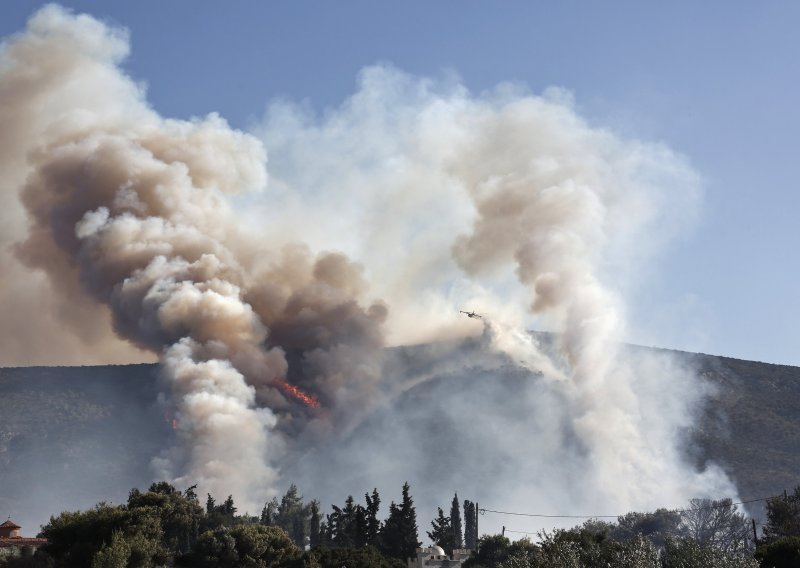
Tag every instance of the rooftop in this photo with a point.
(9, 524)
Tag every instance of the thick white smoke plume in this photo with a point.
(260, 298)
(130, 210)
(509, 204)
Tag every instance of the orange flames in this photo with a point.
(293, 391)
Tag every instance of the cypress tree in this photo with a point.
(455, 523)
(399, 535)
(314, 527)
(470, 538)
(373, 525)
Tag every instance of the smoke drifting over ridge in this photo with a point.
(413, 198)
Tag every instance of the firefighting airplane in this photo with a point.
(471, 314)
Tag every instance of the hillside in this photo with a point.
(752, 423)
(70, 436)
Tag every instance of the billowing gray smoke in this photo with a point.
(131, 210)
(512, 205)
(429, 197)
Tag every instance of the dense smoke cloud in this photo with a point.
(130, 210)
(260, 299)
(509, 204)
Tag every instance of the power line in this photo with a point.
(743, 526)
(724, 505)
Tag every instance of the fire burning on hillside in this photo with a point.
(414, 195)
(296, 393)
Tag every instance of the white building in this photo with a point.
(435, 556)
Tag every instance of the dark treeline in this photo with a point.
(164, 527)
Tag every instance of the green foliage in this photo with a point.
(558, 553)
(441, 532)
(590, 542)
(113, 555)
(688, 553)
(373, 525)
(470, 531)
(164, 527)
(365, 557)
(291, 514)
(315, 535)
(223, 515)
(492, 551)
(657, 526)
(180, 515)
(243, 546)
(74, 538)
(638, 552)
(780, 553)
(214, 549)
(399, 534)
(264, 547)
(455, 524)
(783, 516)
(27, 559)
(521, 554)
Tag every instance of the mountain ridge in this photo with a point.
(71, 436)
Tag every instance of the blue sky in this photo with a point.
(716, 81)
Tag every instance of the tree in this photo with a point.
(163, 487)
(716, 523)
(74, 538)
(455, 523)
(269, 512)
(638, 552)
(521, 554)
(292, 515)
(218, 515)
(783, 516)
(227, 508)
(366, 557)
(590, 543)
(348, 535)
(470, 532)
(780, 553)
(179, 514)
(214, 549)
(492, 550)
(315, 534)
(442, 532)
(264, 547)
(399, 534)
(373, 525)
(656, 526)
(255, 546)
(113, 555)
(688, 553)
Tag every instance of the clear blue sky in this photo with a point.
(717, 81)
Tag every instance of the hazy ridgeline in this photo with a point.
(73, 436)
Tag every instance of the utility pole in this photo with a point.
(504, 531)
(755, 536)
